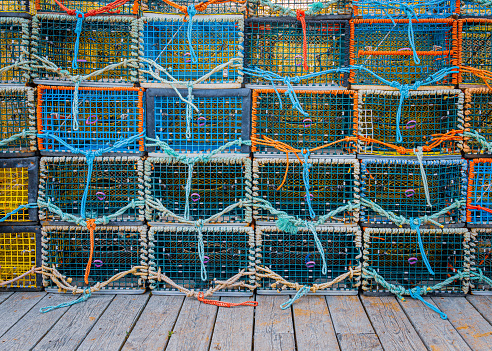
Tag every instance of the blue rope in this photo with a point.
(305, 178)
(21, 207)
(188, 191)
(300, 293)
(191, 12)
(415, 225)
(78, 30)
(90, 166)
(415, 293)
(404, 94)
(189, 110)
(319, 246)
(87, 293)
(201, 251)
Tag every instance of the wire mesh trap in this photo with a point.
(385, 49)
(130, 7)
(180, 52)
(116, 249)
(14, 50)
(213, 8)
(479, 197)
(477, 119)
(481, 258)
(334, 9)
(333, 183)
(395, 255)
(421, 8)
(105, 116)
(332, 117)
(398, 185)
(223, 116)
(213, 187)
(425, 116)
(104, 41)
(113, 183)
(17, 108)
(16, 8)
(227, 251)
(20, 250)
(18, 187)
(276, 45)
(475, 8)
(296, 258)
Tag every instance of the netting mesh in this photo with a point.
(482, 256)
(332, 117)
(422, 9)
(21, 6)
(116, 249)
(332, 184)
(14, 183)
(385, 49)
(296, 258)
(105, 115)
(276, 45)
(115, 181)
(424, 113)
(175, 250)
(475, 47)
(103, 41)
(396, 185)
(14, 42)
(264, 8)
(131, 7)
(220, 8)
(479, 198)
(215, 41)
(395, 255)
(215, 185)
(478, 117)
(474, 9)
(17, 256)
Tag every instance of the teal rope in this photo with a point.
(90, 166)
(78, 30)
(319, 246)
(87, 293)
(188, 191)
(415, 225)
(480, 139)
(75, 106)
(300, 293)
(404, 94)
(416, 295)
(25, 133)
(21, 207)
(419, 153)
(201, 251)
(191, 12)
(189, 110)
(305, 178)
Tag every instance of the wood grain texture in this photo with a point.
(436, 333)
(72, 328)
(472, 327)
(313, 327)
(31, 328)
(5, 295)
(114, 325)
(274, 329)
(233, 326)
(16, 306)
(352, 327)
(194, 327)
(482, 304)
(156, 321)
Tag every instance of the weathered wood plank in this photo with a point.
(193, 329)
(390, 323)
(27, 332)
(5, 295)
(112, 328)
(476, 331)
(274, 329)
(353, 329)
(436, 333)
(233, 327)
(155, 323)
(482, 304)
(313, 327)
(73, 327)
(15, 307)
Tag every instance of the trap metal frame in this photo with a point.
(479, 193)
(481, 258)
(14, 51)
(132, 7)
(338, 9)
(17, 8)
(477, 119)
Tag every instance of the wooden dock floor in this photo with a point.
(143, 322)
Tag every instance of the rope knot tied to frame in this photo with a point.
(78, 31)
(191, 11)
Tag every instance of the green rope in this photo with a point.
(419, 153)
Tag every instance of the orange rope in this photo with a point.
(108, 8)
(302, 17)
(225, 304)
(478, 207)
(482, 261)
(404, 53)
(480, 73)
(91, 225)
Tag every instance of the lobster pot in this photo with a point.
(215, 40)
(105, 116)
(14, 49)
(332, 116)
(296, 258)
(104, 41)
(333, 183)
(276, 45)
(227, 252)
(115, 250)
(219, 8)
(385, 49)
(114, 183)
(224, 116)
(50, 6)
(478, 120)
(421, 8)
(336, 9)
(424, 115)
(213, 187)
(19, 252)
(18, 187)
(17, 108)
(397, 185)
(17, 8)
(481, 259)
(479, 197)
(474, 9)
(396, 256)
(475, 46)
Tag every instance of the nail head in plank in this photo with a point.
(16, 306)
(482, 304)
(155, 323)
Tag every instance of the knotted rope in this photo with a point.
(91, 225)
(301, 16)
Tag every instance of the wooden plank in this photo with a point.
(352, 326)
(313, 326)
(274, 328)
(5, 295)
(112, 328)
(27, 332)
(16, 306)
(436, 333)
(390, 323)
(482, 304)
(472, 327)
(194, 327)
(73, 327)
(154, 325)
(234, 326)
